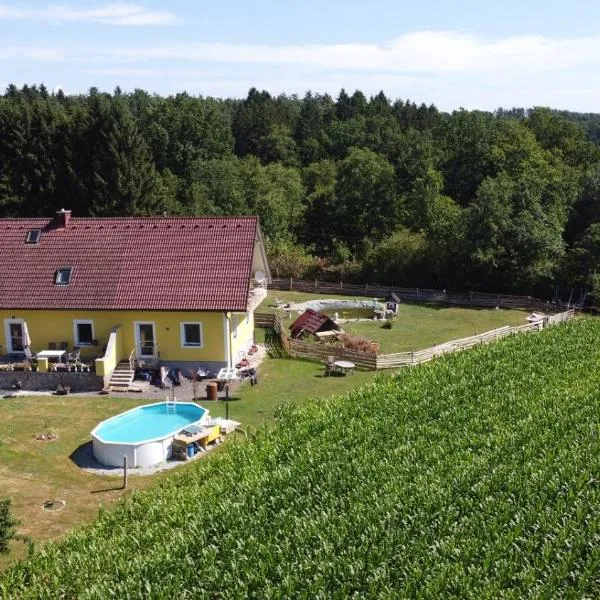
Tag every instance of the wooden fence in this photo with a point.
(321, 352)
(418, 295)
(559, 317)
(363, 360)
(371, 362)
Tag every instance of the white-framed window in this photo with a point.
(63, 276)
(83, 332)
(191, 335)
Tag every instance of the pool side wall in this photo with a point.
(141, 455)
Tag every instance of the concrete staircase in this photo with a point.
(122, 377)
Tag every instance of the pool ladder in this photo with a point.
(171, 406)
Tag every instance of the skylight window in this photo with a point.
(33, 236)
(63, 276)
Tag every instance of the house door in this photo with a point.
(145, 337)
(14, 336)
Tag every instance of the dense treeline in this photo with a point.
(362, 188)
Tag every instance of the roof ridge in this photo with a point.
(139, 218)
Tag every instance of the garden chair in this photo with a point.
(74, 355)
(330, 366)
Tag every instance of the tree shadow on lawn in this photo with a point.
(114, 488)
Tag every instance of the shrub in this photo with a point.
(400, 257)
(7, 525)
(356, 342)
(387, 324)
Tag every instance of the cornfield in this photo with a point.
(476, 476)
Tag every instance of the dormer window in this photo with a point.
(63, 276)
(33, 236)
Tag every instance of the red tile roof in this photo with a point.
(149, 263)
(312, 321)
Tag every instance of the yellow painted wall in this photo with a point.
(57, 326)
(245, 334)
(106, 365)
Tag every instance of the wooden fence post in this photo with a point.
(315, 284)
(341, 286)
(290, 284)
(125, 472)
(366, 289)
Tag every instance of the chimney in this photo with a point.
(62, 218)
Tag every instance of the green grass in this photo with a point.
(280, 382)
(33, 471)
(475, 476)
(417, 326)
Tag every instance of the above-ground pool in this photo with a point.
(143, 434)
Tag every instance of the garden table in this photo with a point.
(344, 365)
(58, 354)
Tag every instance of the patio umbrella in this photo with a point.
(26, 340)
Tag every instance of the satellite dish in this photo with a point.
(260, 276)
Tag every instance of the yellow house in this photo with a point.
(178, 292)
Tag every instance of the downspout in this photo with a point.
(228, 339)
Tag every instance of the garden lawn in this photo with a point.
(32, 471)
(417, 326)
(282, 381)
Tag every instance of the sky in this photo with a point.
(459, 53)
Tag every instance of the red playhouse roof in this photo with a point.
(142, 263)
(312, 321)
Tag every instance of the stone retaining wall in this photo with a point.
(34, 380)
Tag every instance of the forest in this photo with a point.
(349, 188)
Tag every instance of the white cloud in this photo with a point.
(12, 53)
(109, 14)
(124, 71)
(425, 51)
